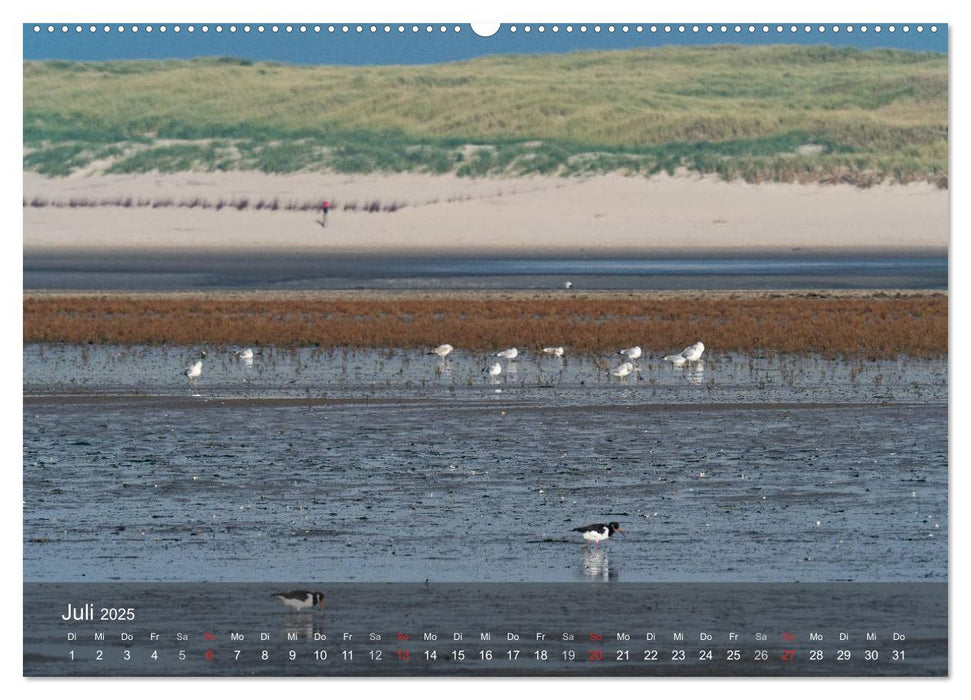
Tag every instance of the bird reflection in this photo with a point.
(443, 367)
(304, 626)
(696, 374)
(596, 565)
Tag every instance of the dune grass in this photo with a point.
(760, 113)
(268, 203)
(869, 327)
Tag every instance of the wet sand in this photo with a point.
(372, 466)
(474, 493)
(493, 271)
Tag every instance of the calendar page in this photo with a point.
(536, 349)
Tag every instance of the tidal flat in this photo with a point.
(391, 465)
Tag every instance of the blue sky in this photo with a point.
(364, 48)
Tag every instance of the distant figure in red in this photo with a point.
(324, 208)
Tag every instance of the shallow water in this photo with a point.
(392, 466)
(407, 374)
(161, 271)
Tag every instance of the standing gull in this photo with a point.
(494, 370)
(623, 370)
(195, 371)
(442, 350)
(555, 352)
(691, 353)
(631, 353)
(510, 354)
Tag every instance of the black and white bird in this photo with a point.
(195, 371)
(245, 354)
(598, 533)
(298, 600)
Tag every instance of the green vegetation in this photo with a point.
(781, 113)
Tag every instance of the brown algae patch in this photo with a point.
(873, 325)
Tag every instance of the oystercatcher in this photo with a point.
(598, 532)
(298, 600)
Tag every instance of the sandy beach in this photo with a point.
(494, 215)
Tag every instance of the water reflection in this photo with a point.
(317, 372)
(696, 372)
(596, 564)
(303, 625)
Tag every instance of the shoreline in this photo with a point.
(325, 295)
(524, 252)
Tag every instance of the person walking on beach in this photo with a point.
(324, 208)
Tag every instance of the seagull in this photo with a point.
(631, 353)
(568, 285)
(298, 600)
(494, 370)
(598, 533)
(623, 370)
(555, 352)
(693, 353)
(510, 354)
(689, 354)
(442, 350)
(245, 354)
(195, 370)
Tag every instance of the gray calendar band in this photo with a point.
(576, 629)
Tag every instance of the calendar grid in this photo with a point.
(488, 629)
